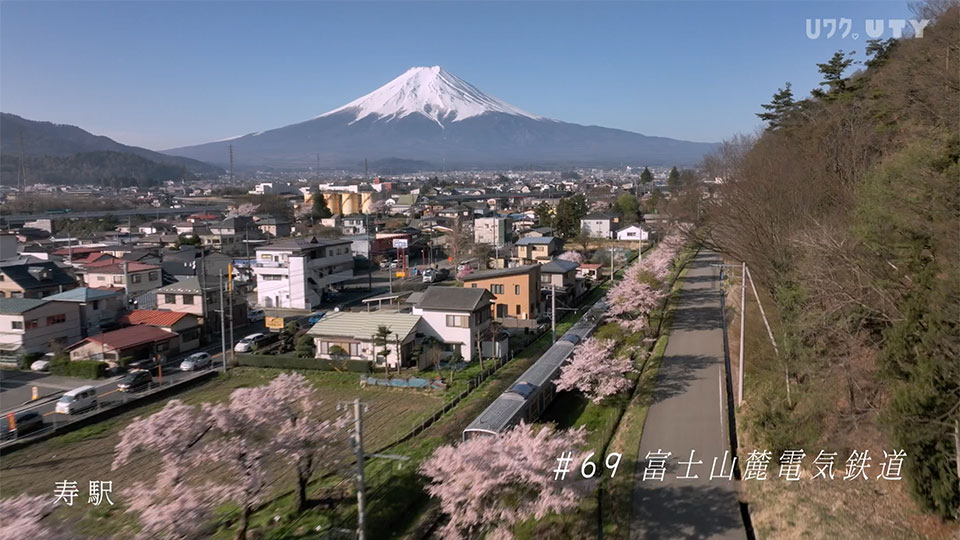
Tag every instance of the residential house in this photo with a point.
(533, 250)
(203, 301)
(516, 291)
(350, 335)
(130, 344)
(230, 235)
(457, 317)
(185, 325)
(598, 225)
(133, 277)
(590, 271)
(634, 233)
(537, 232)
(354, 224)
(35, 279)
(560, 276)
(100, 309)
(295, 273)
(274, 227)
(32, 325)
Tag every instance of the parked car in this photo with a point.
(40, 365)
(149, 364)
(429, 276)
(388, 264)
(195, 361)
(135, 381)
(23, 422)
(77, 400)
(247, 343)
(255, 315)
(315, 318)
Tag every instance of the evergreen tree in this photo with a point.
(674, 177)
(320, 209)
(569, 213)
(832, 72)
(544, 213)
(646, 176)
(779, 108)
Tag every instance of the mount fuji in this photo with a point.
(428, 114)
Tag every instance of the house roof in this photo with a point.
(191, 285)
(630, 226)
(590, 266)
(37, 275)
(363, 326)
(155, 317)
(16, 306)
(535, 240)
(128, 337)
(297, 244)
(558, 266)
(596, 216)
(109, 267)
(454, 298)
(487, 274)
(84, 294)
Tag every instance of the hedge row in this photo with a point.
(84, 369)
(294, 362)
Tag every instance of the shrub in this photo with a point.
(84, 369)
(293, 362)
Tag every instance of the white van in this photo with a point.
(78, 399)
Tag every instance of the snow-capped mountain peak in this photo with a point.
(430, 91)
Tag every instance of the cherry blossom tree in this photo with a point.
(595, 370)
(173, 436)
(632, 300)
(572, 256)
(23, 518)
(489, 484)
(284, 411)
(245, 209)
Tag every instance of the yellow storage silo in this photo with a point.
(366, 201)
(333, 202)
(350, 203)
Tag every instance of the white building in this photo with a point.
(294, 273)
(490, 230)
(274, 188)
(633, 233)
(597, 225)
(457, 317)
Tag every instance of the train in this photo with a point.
(534, 390)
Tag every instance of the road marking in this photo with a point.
(49, 413)
(110, 392)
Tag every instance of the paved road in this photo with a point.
(689, 413)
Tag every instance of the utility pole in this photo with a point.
(361, 495)
(357, 441)
(553, 311)
(223, 327)
(743, 296)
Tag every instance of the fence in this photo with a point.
(103, 409)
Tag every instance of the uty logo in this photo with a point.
(873, 28)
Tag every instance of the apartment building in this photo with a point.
(490, 230)
(295, 273)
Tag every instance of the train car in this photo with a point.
(534, 390)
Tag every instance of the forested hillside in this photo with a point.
(847, 210)
(115, 169)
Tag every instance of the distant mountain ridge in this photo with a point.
(42, 138)
(428, 114)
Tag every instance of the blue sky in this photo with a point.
(169, 74)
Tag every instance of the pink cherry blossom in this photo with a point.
(572, 256)
(595, 370)
(489, 484)
(23, 518)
